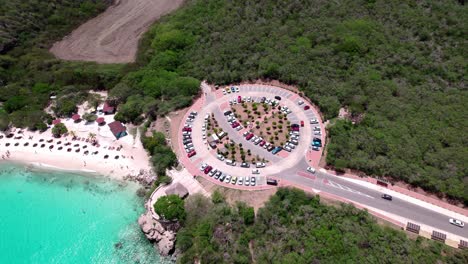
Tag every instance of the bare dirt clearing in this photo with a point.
(112, 37)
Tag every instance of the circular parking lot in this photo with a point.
(250, 136)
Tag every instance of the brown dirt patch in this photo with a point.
(256, 199)
(112, 37)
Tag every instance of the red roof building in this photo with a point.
(118, 129)
(56, 121)
(76, 118)
(107, 109)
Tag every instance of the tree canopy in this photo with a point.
(170, 207)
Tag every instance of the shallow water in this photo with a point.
(62, 217)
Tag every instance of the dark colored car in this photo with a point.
(278, 98)
(302, 123)
(239, 99)
(186, 141)
(249, 136)
(191, 153)
(262, 100)
(276, 150)
(235, 124)
(295, 128)
(387, 197)
(315, 148)
(262, 143)
(272, 181)
(227, 112)
(294, 125)
(306, 107)
(187, 129)
(207, 169)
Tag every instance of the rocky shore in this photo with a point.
(162, 234)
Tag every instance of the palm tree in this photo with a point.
(91, 136)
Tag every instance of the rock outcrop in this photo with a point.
(164, 237)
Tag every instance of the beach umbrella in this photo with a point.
(85, 146)
(51, 146)
(35, 145)
(78, 150)
(41, 140)
(116, 157)
(16, 144)
(7, 144)
(60, 148)
(86, 152)
(59, 142)
(26, 144)
(69, 149)
(42, 145)
(106, 156)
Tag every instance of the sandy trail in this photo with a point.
(112, 37)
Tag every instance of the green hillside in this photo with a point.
(399, 67)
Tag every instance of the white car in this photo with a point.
(456, 222)
(300, 102)
(240, 180)
(237, 89)
(220, 157)
(311, 169)
(203, 166)
(256, 171)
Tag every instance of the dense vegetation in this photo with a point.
(397, 66)
(170, 207)
(295, 228)
(162, 156)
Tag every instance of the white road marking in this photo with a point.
(339, 186)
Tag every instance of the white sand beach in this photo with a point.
(109, 156)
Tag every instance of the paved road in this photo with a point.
(335, 185)
(293, 168)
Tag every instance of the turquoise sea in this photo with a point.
(62, 217)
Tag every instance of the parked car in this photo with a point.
(456, 222)
(262, 143)
(218, 174)
(306, 107)
(247, 181)
(260, 165)
(253, 181)
(207, 169)
(313, 121)
(203, 166)
(276, 150)
(270, 148)
(237, 89)
(300, 102)
(233, 89)
(311, 169)
(315, 148)
(387, 197)
(278, 98)
(249, 136)
(222, 177)
(287, 148)
(227, 112)
(228, 179)
(240, 181)
(302, 123)
(234, 180)
(220, 157)
(256, 171)
(245, 165)
(239, 99)
(191, 153)
(246, 133)
(212, 172)
(262, 100)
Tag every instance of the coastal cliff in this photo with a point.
(162, 234)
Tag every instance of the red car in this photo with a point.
(249, 136)
(295, 128)
(262, 143)
(191, 153)
(207, 169)
(302, 123)
(239, 99)
(306, 107)
(187, 129)
(235, 124)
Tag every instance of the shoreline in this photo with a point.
(117, 159)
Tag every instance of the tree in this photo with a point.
(89, 117)
(59, 129)
(170, 207)
(91, 136)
